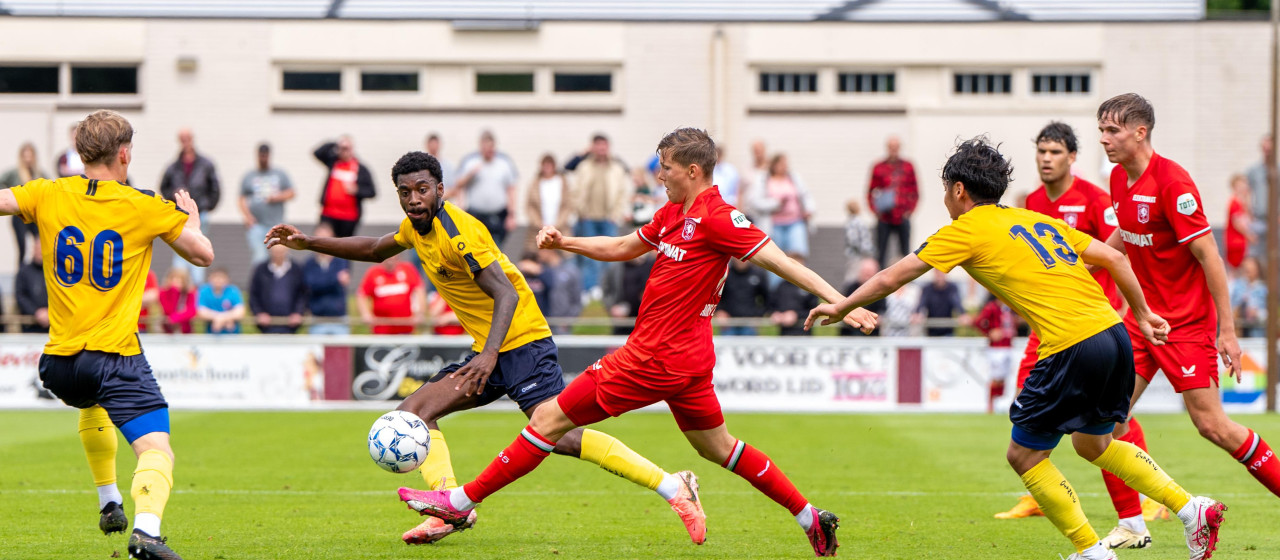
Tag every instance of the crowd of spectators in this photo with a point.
(593, 192)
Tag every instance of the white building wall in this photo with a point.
(1208, 81)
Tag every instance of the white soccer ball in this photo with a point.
(399, 441)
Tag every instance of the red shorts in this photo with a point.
(614, 385)
(1029, 359)
(1187, 364)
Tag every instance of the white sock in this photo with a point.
(1189, 513)
(108, 493)
(148, 523)
(1136, 524)
(1096, 552)
(805, 517)
(459, 500)
(669, 487)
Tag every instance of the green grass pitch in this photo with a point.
(301, 485)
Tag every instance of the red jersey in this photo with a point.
(1237, 243)
(1086, 207)
(338, 203)
(152, 284)
(392, 294)
(673, 327)
(996, 315)
(1158, 216)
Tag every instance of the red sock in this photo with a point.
(749, 463)
(1128, 502)
(518, 459)
(1257, 456)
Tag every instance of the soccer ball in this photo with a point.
(399, 441)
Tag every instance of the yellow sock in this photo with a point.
(98, 436)
(437, 470)
(1140, 472)
(1059, 503)
(614, 456)
(152, 481)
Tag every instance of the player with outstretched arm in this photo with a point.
(1083, 380)
(512, 352)
(669, 357)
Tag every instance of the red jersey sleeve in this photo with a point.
(1180, 203)
(733, 234)
(651, 232)
(366, 285)
(1102, 216)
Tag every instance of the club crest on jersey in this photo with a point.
(1144, 213)
(1071, 219)
(690, 224)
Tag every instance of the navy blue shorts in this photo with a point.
(123, 385)
(1084, 388)
(529, 374)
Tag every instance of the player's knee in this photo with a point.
(1213, 428)
(550, 422)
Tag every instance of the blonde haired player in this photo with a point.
(95, 234)
(1083, 380)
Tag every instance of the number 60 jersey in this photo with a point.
(95, 237)
(1032, 263)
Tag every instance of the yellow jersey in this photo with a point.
(1032, 263)
(95, 237)
(456, 249)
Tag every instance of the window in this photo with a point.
(983, 83)
(490, 82)
(312, 81)
(867, 82)
(590, 83)
(28, 79)
(788, 82)
(104, 79)
(389, 81)
(1060, 83)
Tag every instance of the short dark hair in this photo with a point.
(1129, 108)
(981, 167)
(688, 146)
(264, 148)
(433, 136)
(414, 162)
(599, 137)
(1060, 132)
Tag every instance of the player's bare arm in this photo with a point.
(8, 203)
(191, 244)
(494, 282)
(1205, 250)
(1116, 243)
(771, 258)
(1154, 328)
(608, 249)
(366, 249)
(878, 287)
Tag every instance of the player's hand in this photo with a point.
(1229, 349)
(827, 310)
(186, 203)
(287, 235)
(549, 238)
(1154, 328)
(862, 320)
(475, 374)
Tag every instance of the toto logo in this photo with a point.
(861, 386)
(384, 368)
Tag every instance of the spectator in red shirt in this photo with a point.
(1239, 232)
(178, 301)
(346, 186)
(391, 290)
(892, 196)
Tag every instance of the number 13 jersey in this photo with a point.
(95, 238)
(1032, 263)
